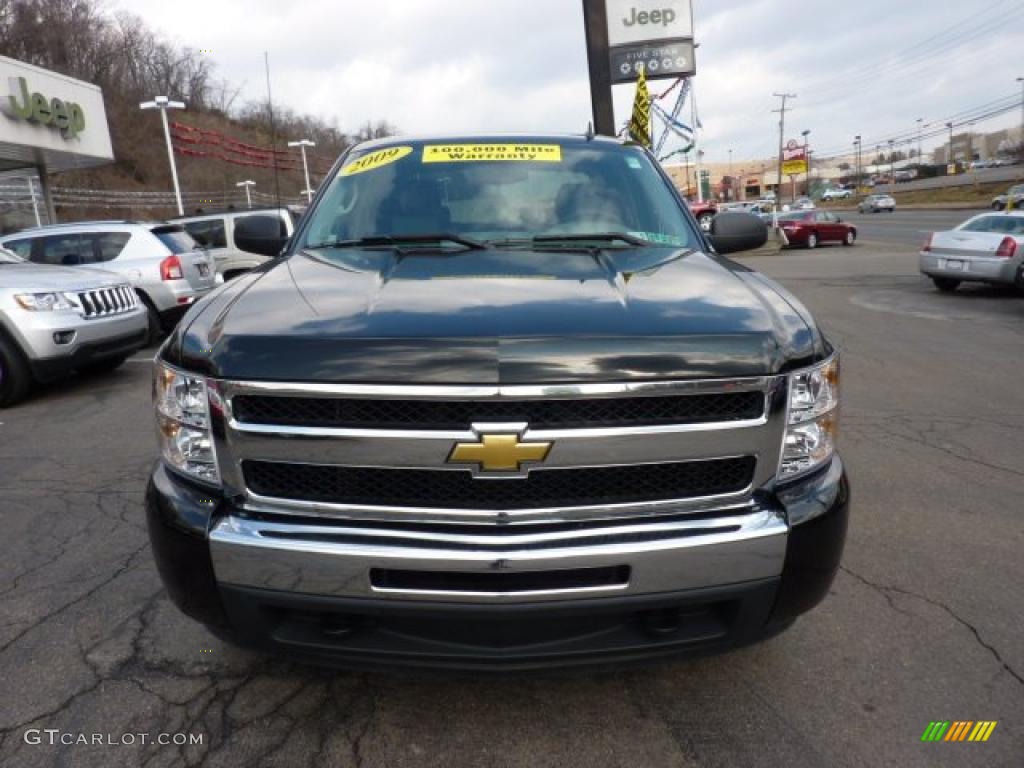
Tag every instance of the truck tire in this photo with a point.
(946, 284)
(15, 377)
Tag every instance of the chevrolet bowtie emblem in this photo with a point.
(499, 453)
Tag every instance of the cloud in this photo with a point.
(461, 66)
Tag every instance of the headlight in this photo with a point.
(183, 422)
(44, 302)
(813, 419)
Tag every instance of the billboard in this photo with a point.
(794, 158)
(656, 35)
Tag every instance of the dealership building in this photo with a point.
(50, 124)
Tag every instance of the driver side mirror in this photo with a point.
(732, 232)
(260, 234)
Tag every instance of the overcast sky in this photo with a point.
(870, 67)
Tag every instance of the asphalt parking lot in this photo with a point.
(924, 623)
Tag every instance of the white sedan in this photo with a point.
(988, 248)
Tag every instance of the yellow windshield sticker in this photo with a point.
(484, 153)
(375, 160)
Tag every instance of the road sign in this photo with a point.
(654, 34)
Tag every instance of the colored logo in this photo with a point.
(959, 730)
(499, 453)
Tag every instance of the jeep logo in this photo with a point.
(66, 117)
(664, 17)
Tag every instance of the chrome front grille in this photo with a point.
(344, 451)
(104, 302)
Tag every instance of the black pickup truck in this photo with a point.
(498, 403)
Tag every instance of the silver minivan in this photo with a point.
(215, 232)
(167, 268)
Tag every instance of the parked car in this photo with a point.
(836, 193)
(163, 263)
(54, 320)
(404, 448)
(876, 203)
(1015, 195)
(811, 228)
(704, 212)
(802, 204)
(215, 232)
(988, 248)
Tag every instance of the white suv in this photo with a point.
(57, 319)
(216, 233)
(161, 261)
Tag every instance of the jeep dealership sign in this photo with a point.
(656, 35)
(50, 120)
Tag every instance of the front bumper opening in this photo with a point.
(497, 582)
(460, 636)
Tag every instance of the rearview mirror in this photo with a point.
(732, 232)
(260, 234)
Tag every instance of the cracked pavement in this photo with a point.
(924, 621)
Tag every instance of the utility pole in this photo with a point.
(697, 152)
(732, 179)
(950, 161)
(1021, 81)
(921, 125)
(163, 104)
(782, 130)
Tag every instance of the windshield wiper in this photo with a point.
(600, 237)
(399, 240)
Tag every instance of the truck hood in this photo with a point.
(496, 317)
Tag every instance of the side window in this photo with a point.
(67, 250)
(21, 247)
(208, 233)
(284, 232)
(107, 246)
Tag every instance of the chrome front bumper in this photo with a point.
(340, 561)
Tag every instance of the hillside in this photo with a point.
(217, 142)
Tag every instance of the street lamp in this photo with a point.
(807, 160)
(951, 161)
(892, 169)
(302, 144)
(247, 183)
(163, 104)
(856, 145)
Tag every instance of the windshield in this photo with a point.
(499, 192)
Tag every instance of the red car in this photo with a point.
(704, 212)
(809, 228)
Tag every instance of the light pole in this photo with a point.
(732, 180)
(247, 183)
(856, 145)
(807, 160)
(892, 169)
(163, 104)
(302, 144)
